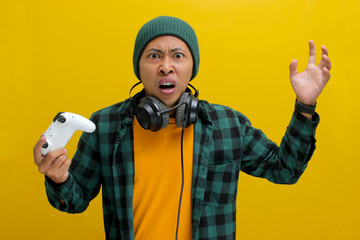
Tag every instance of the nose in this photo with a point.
(166, 66)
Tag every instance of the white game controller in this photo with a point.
(62, 128)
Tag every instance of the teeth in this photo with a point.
(166, 84)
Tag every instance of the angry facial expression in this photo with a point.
(166, 66)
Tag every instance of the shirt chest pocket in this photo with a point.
(221, 184)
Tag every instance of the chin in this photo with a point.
(169, 102)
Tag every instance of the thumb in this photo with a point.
(292, 67)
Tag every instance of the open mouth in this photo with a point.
(167, 86)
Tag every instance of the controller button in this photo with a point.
(45, 145)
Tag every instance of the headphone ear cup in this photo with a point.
(147, 114)
(188, 110)
(193, 104)
(180, 111)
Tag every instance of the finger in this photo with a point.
(65, 166)
(55, 172)
(292, 67)
(312, 52)
(37, 150)
(58, 162)
(62, 173)
(324, 50)
(50, 158)
(326, 75)
(325, 62)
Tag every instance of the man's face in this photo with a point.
(165, 67)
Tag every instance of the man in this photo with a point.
(140, 171)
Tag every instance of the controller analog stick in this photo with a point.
(62, 119)
(45, 145)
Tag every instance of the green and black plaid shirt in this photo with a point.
(224, 144)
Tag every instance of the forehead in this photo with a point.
(164, 42)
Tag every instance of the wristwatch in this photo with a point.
(299, 107)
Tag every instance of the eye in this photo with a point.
(154, 55)
(179, 55)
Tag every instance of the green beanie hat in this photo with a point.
(161, 26)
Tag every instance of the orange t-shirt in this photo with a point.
(157, 185)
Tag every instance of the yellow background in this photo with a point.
(76, 56)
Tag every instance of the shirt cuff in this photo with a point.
(57, 192)
(302, 126)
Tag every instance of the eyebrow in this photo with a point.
(160, 51)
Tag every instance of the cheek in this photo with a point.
(189, 70)
(145, 73)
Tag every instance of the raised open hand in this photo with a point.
(309, 83)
